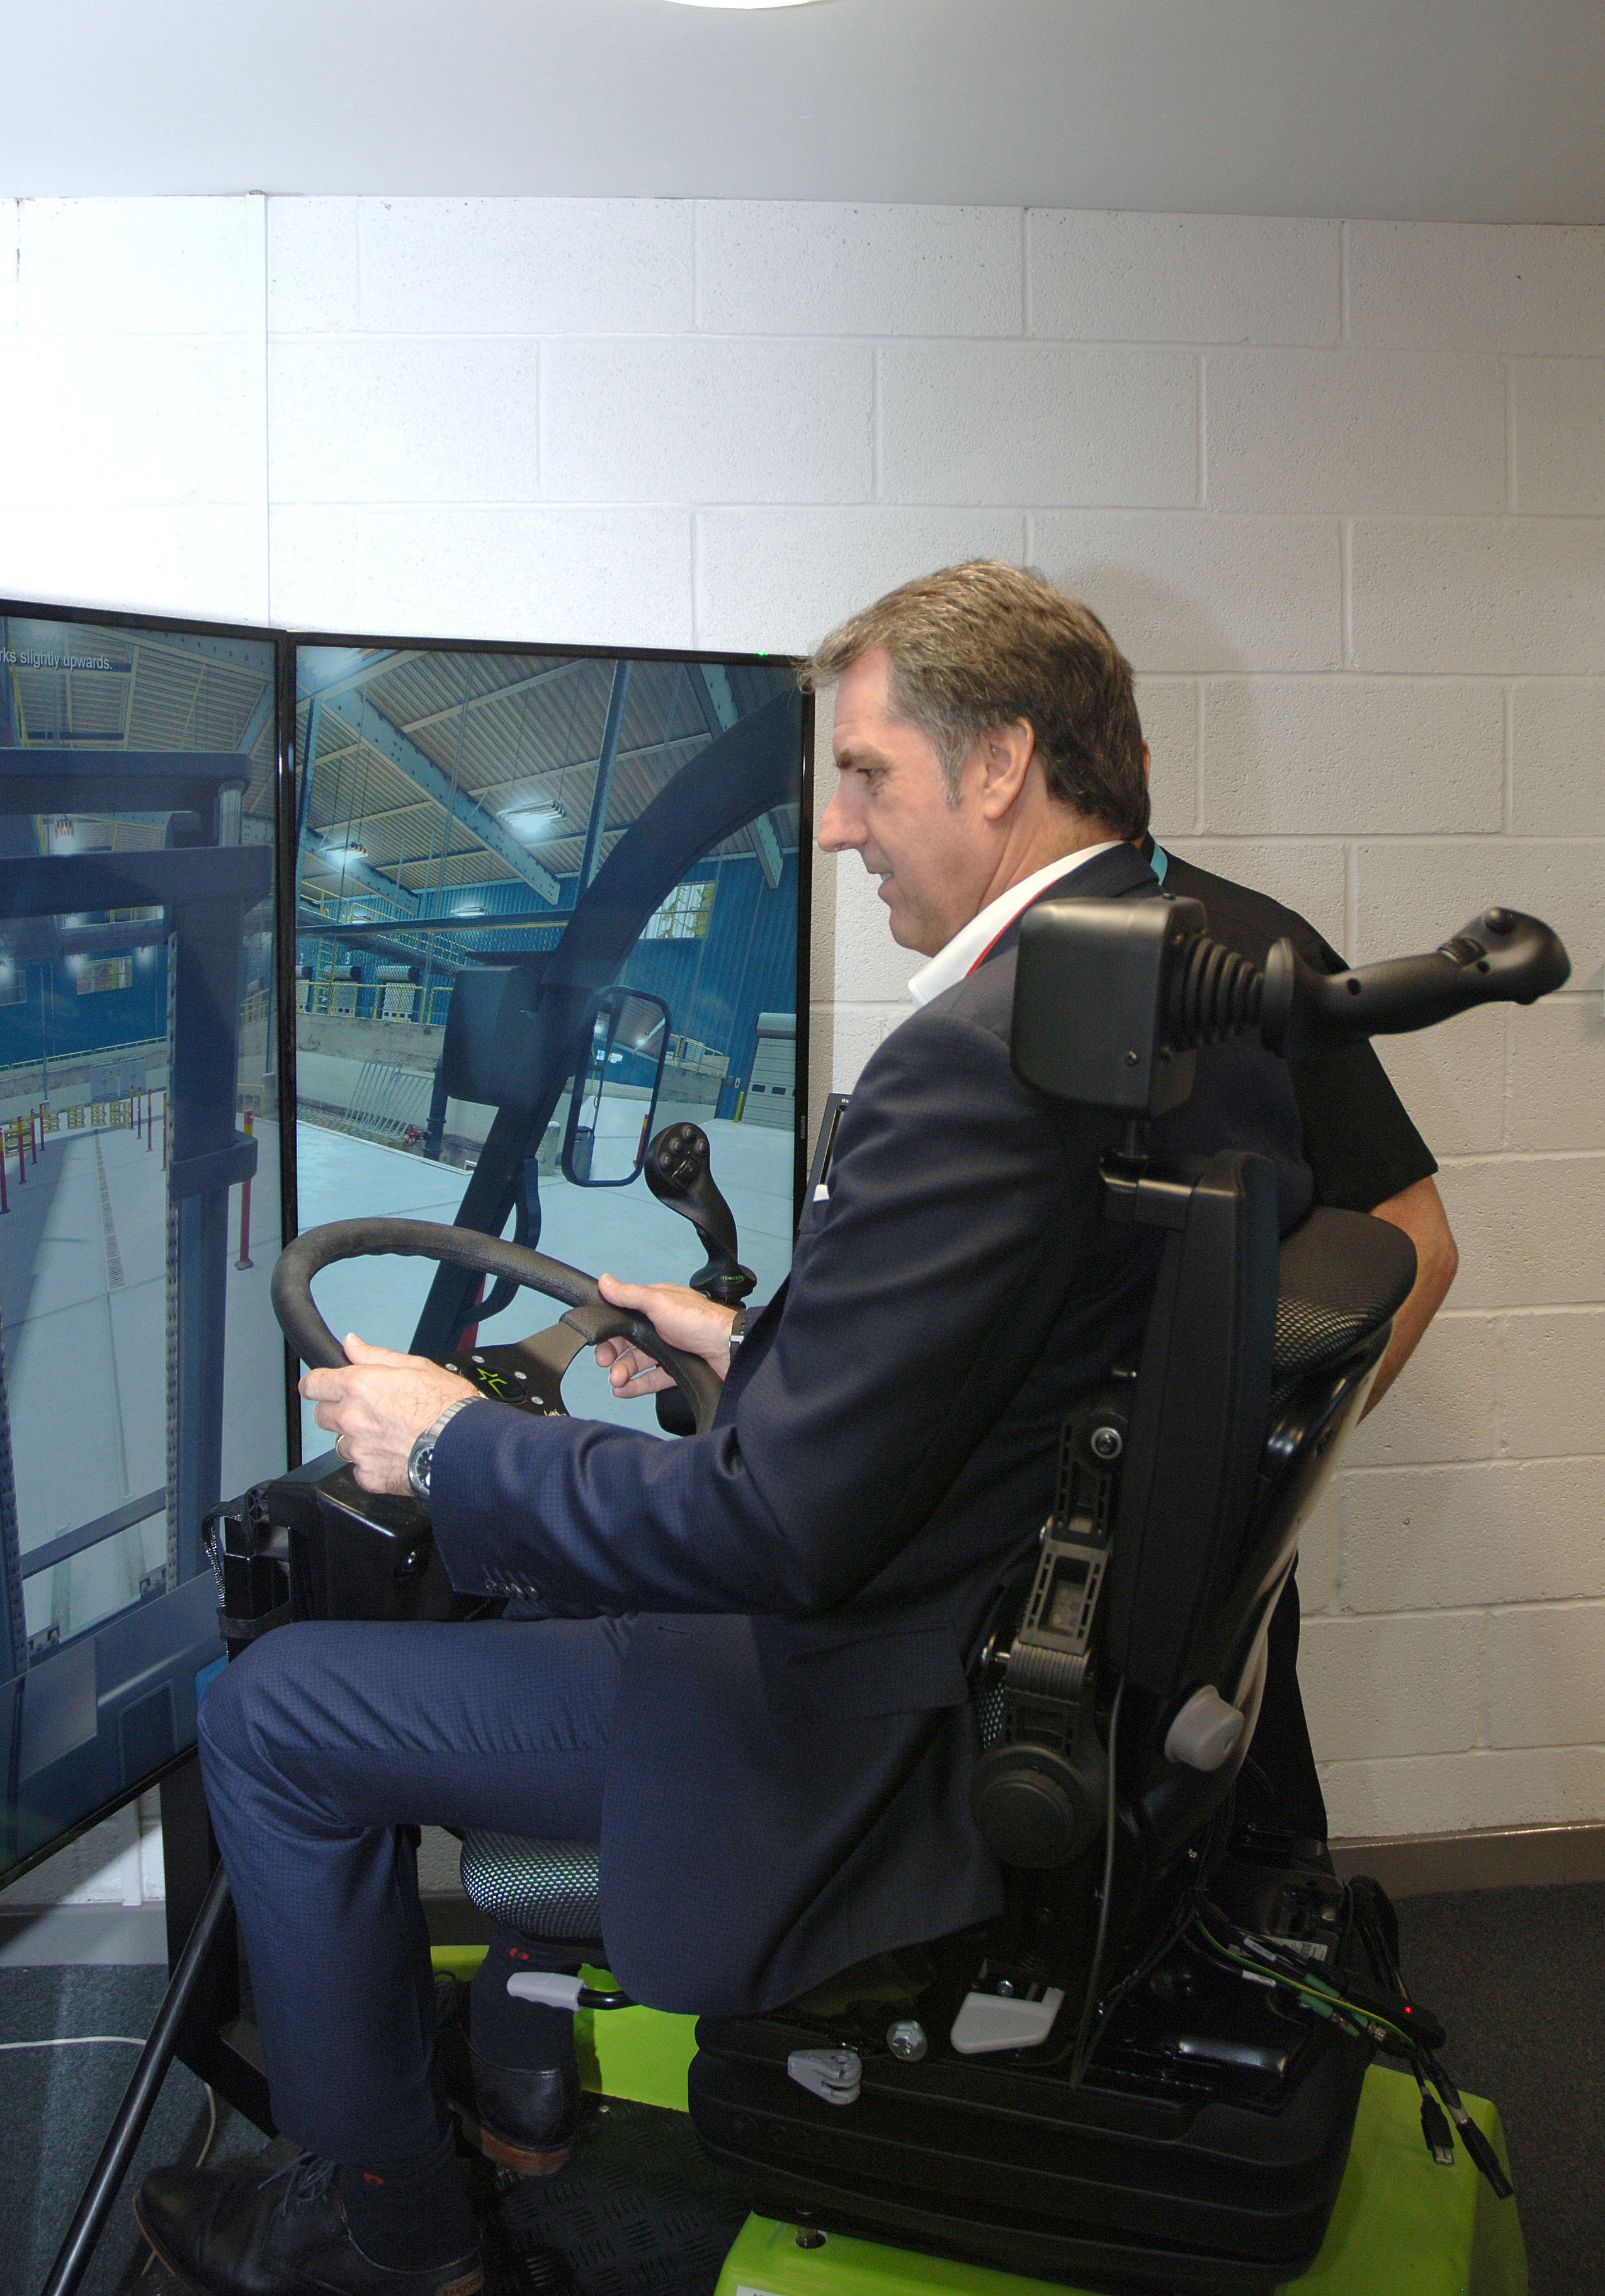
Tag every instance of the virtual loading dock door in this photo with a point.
(771, 1096)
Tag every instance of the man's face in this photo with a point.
(892, 808)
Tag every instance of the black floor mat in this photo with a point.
(640, 2210)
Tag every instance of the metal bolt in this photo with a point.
(1006, 1987)
(1107, 1443)
(1130, 1060)
(907, 2039)
(808, 2238)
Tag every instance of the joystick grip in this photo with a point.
(678, 1174)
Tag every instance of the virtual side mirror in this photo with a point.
(615, 1090)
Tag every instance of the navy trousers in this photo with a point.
(318, 1746)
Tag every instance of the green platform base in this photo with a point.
(1402, 2226)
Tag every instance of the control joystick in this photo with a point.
(678, 1174)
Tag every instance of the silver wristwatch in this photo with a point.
(420, 1459)
(737, 1332)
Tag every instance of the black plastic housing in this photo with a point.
(1090, 1002)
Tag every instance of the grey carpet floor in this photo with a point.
(56, 2105)
(1514, 1974)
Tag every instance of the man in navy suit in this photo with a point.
(738, 1660)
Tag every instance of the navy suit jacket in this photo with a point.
(789, 1760)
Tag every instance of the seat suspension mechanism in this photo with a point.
(1039, 1796)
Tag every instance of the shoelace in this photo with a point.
(309, 2177)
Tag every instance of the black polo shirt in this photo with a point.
(1362, 1146)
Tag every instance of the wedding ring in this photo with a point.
(339, 1454)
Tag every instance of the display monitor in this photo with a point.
(139, 1185)
(548, 904)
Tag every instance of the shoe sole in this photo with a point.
(161, 2256)
(507, 2155)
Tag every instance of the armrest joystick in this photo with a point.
(678, 1174)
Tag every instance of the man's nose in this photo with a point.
(838, 831)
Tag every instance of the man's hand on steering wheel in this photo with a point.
(683, 1318)
(378, 1404)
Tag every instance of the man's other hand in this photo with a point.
(697, 1326)
(377, 1404)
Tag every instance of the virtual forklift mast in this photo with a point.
(204, 883)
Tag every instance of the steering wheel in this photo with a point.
(529, 1373)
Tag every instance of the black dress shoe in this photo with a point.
(524, 2118)
(278, 2232)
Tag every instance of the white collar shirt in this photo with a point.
(971, 942)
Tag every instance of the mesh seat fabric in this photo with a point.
(548, 1890)
(1341, 1276)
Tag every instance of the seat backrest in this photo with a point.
(1340, 1279)
(1197, 1421)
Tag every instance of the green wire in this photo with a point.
(1325, 1999)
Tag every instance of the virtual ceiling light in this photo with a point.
(535, 818)
(745, 3)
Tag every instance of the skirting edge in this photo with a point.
(1498, 1858)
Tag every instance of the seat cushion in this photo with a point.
(548, 1890)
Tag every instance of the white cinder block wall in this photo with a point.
(1340, 490)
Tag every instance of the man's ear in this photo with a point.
(1005, 753)
(1148, 763)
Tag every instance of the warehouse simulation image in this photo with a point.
(139, 1185)
(547, 908)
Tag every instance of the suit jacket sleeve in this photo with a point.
(948, 1177)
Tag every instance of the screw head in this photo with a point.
(1107, 1443)
(907, 2039)
(1006, 1987)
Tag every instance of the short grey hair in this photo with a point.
(985, 645)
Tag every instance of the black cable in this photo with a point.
(1083, 2032)
(1471, 2137)
(1183, 1914)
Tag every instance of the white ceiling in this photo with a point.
(1471, 109)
